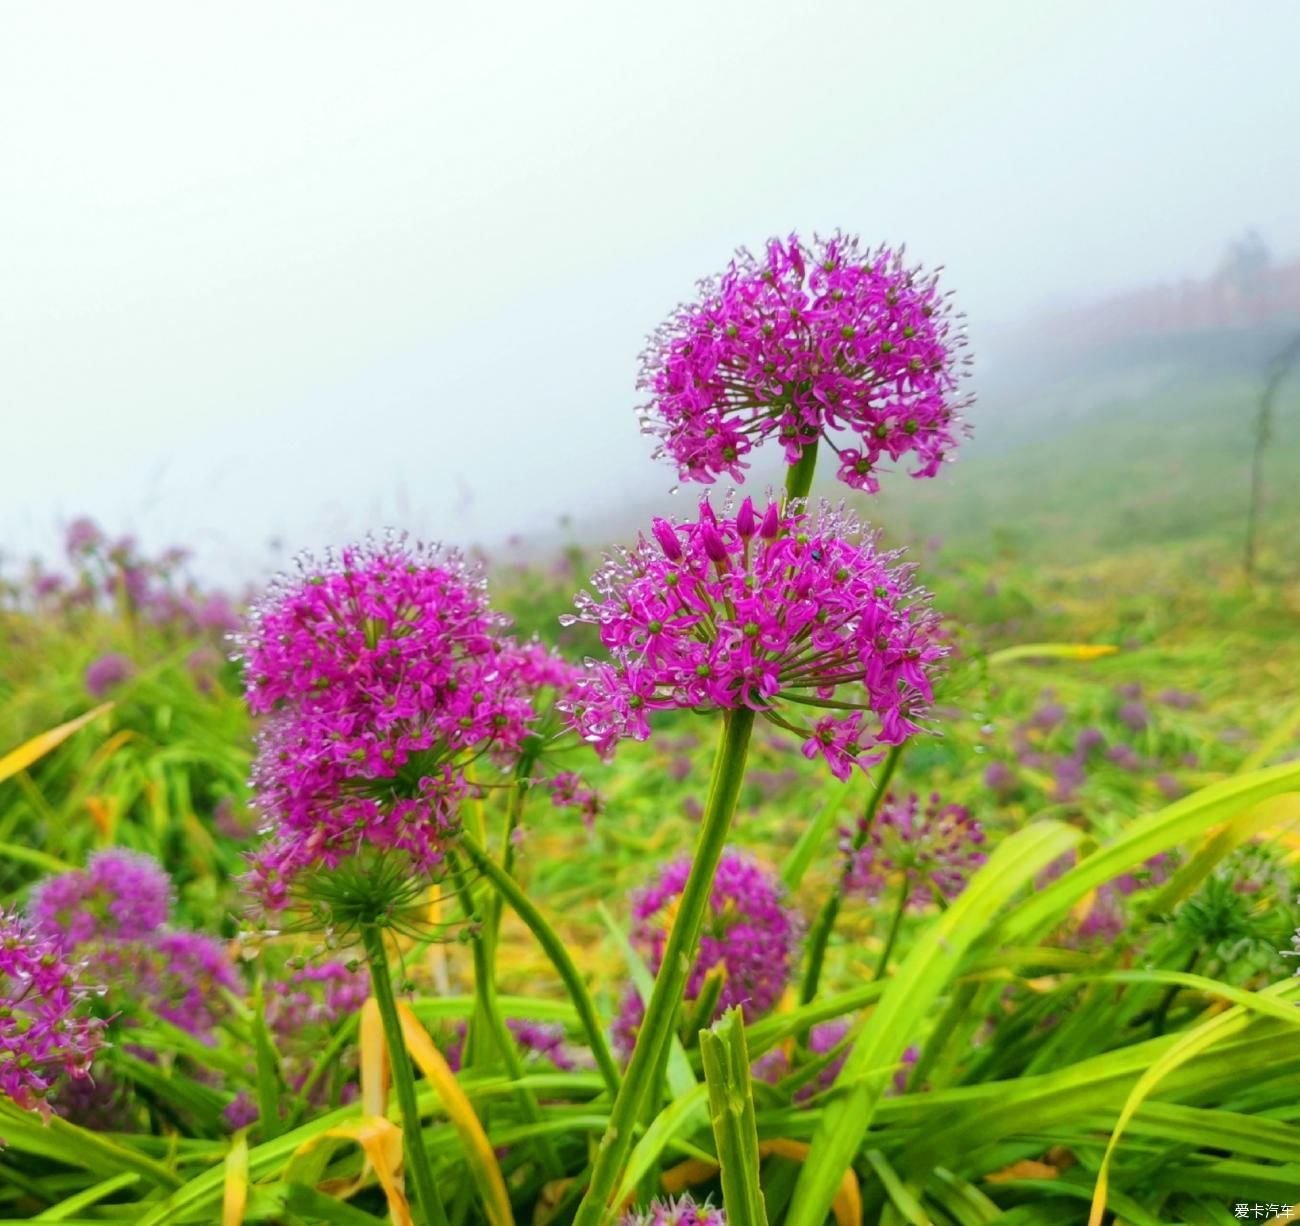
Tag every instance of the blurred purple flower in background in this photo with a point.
(107, 673)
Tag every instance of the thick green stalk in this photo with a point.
(554, 948)
(660, 1018)
(479, 1024)
(821, 933)
(799, 476)
(399, 1062)
(731, 1106)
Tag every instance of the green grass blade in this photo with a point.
(1179, 823)
(934, 960)
(731, 1104)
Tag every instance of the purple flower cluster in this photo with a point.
(569, 792)
(113, 915)
(546, 1041)
(680, 1212)
(379, 671)
(302, 1008)
(780, 613)
(115, 573)
(120, 896)
(315, 997)
(187, 974)
(1106, 915)
(107, 672)
(775, 1065)
(750, 937)
(810, 340)
(46, 1027)
(540, 1040)
(933, 849)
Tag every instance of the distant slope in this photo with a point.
(1160, 461)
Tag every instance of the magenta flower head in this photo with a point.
(545, 1040)
(535, 684)
(315, 996)
(82, 536)
(107, 673)
(823, 1039)
(809, 341)
(680, 1212)
(302, 1009)
(119, 896)
(378, 671)
(749, 939)
(193, 970)
(46, 1027)
(932, 849)
(805, 621)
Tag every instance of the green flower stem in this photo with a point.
(514, 817)
(648, 1187)
(821, 932)
(480, 1023)
(799, 476)
(399, 1062)
(660, 1018)
(904, 891)
(343, 1037)
(554, 948)
(489, 1010)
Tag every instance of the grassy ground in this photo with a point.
(1119, 531)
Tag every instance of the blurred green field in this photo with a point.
(1122, 530)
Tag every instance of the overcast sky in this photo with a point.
(299, 270)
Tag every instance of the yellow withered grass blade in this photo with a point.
(235, 1196)
(479, 1153)
(1051, 651)
(374, 1060)
(847, 1205)
(381, 1142)
(32, 751)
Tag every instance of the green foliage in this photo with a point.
(1106, 997)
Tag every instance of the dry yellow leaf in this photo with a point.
(32, 751)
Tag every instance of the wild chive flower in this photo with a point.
(119, 896)
(780, 613)
(1000, 779)
(1125, 757)
(539, 1040)
(378, 671)
(749, 938)
(82, 536)
(569, 792)
(543, 1040)
(680, 1212)
(46, 1029)
(540, 684)
(318, 995)
(809, 341)
(190, 971)
(302, 1009)
(100, 1101)
(1133, 715)
(825, 1037)
(933, 849)
(107, 673)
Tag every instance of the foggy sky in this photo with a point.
(301, 270)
